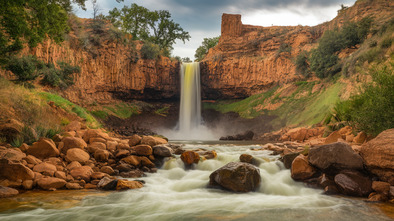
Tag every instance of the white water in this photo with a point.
(174, 193)
(190, 122)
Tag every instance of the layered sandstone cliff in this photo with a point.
(251, 59)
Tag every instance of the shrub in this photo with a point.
(372, 110)
(150, 51)
(386, 42)
(59, 77)
(301, 62)
(283, 48)
(25, 68)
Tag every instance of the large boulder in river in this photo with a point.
(378, 156)
(128, 184)
(43, 148)
(237, 177)
(190, 157)
(162, 151)
(15, 171)
(332, 158)
(300, 168)
(353, 183)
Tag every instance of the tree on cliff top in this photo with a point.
(153, 26)
(206, 44)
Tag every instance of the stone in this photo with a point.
(142, 150)
(377, 197)
(11, 129)
(349, 138)
(96, 146)
(391, 193)
(47, 183)
(73, 186)
(246, 158)
(132, 160)
(333, 137)
(360, 138)
(353, 183)
(72, 142)
(334, 157)
(146, 162)
(190, 157)
(107, 183)
(108, 170)
(73, 126)
(133, 174)
(345, 131)
(76, 154)
(7, 192)
(123, 146)
(111, 145)
(287, 159)
(94, 133)
(237, 177)
(122, 153)
(43, 148)
(378, 155)
(208, 154)
(128, 184)
(90, 186)
(298, 134)
(381, 187)
(83, 172)
(24, 147)
(124, 167)
(73, 165)
(301, 169)
(162, 151)
(135, 140)
(101, 155)
(30, 159)
(45, 168)
(27, 184)
(60, 175)
(15, 171)
(13, 154)
(153, 141)
(248, 135)
(97, 139)
(98, 175)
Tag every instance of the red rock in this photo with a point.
(27, 184)
(381, 187)
(153, 141)
(162, 151)
(107, 183)
(7, 192)
(146, 162)
(73, 165)
(32, 160)
(11, 129)
(43, 148)
(132, 160)
(143, 150)
(72, 142)
(128, 184)
(73, 126)
(15, 171)
(190, 157)
(73, 186)
(60, 175)
(333, 137)
(98, 175)
(134, 140)
(111, 145)
(13, 154)
(246, 158)
(97, 139)
(45, 168)
(123, 146)
(377, 197)
(96, 146)
(76, 154)
(83, 173)
(378, 155)
(47, 183)
(107, 170)
(122, 153)
(208, 154)
(101, 155)
(90, 186)
(360, 138)
(300, 168)
(94, 133)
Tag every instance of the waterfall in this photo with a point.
(190, 107)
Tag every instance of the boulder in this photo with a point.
(43, 148)
(111, 145)
(47, 183)
(12, 154)
(96, 146)
(332, 158)
(162, 151)
(248, 135)
(73, 186)
(122, 154)
(360, 138)
(107, 183)
(101, 155)
(333, 137)
(93, 133)
(97, 139)
(143, 150)
(72, 142)
(287, 159)
(207, 154)
(146, 162)
(98, 175)
(128, 184)
(381, 187)
(301, 169)
(132, 160)
(83, 172)
(378, 155)
(73, 165)
(45, 168)
(15, 171)
(30, 159)
(60, 175)
(108, 170)
(190, 157)
(7, 192)
(377, 197)
(246, 158)
(133, 174)
(153, 141)
(353, 183)
(123, 146)
(76, 154)
(135, 140)
(73, 126)
(11, 129)
(237, 177)
(298, 134)
(27, 184)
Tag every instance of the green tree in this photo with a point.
(206, 44)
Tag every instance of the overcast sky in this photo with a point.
(202, 18)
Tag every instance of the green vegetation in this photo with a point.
(120, 110)
(154, 26)
(301, 62)
(372, 110)
(70, 108)
(324, 61)
(163, 111)
(150, 51)
(206, 44)
(25, 68)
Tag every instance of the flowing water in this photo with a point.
(174, 193)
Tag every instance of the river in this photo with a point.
(174, 193)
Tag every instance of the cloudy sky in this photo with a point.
(202, 18)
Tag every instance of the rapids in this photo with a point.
(174, 193)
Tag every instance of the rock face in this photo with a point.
(237, 177)
(335, 157)
(378, 155)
